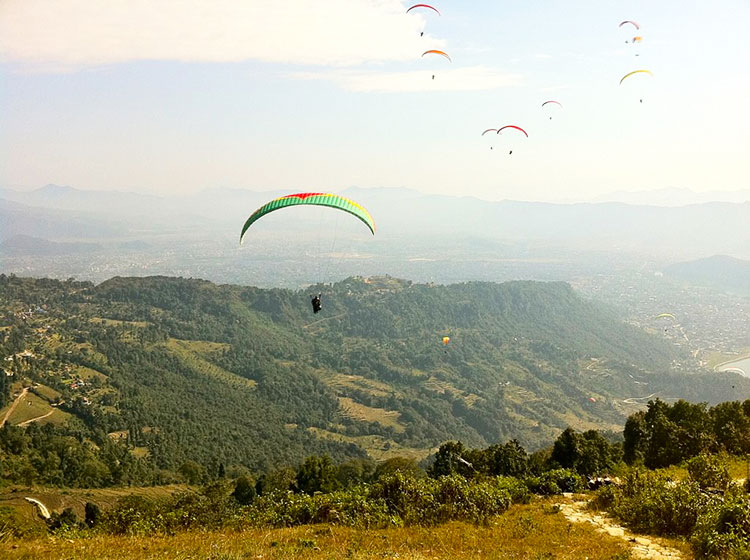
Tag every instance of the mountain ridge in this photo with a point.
(193, 370)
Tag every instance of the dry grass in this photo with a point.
(56, 500)
(357, 411)
(534, 531)
(33, 406)
(343, 382)
(377, 447)
(87, 373)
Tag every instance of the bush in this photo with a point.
(709, 471)
(351, 507)
(650, 502)
(723, 528)
(555, 481)
(408, 498)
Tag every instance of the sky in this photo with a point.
(174, 97)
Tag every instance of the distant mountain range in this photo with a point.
(412, 227)
(674, 197)
(28, 245)
(720, 271)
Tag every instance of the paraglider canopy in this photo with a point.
(666, 316)
(635, 72)
(446, 340)
(633, 23)
(512, 126)
(423, 6)
(434, 51)
(317, 199)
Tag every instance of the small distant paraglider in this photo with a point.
(446, 341)
(633, 73)
(489, 130)
(631, 22)
(441, 53)
(669, 316)
(512, 126)
(425, 6)
(552, 103)
(592, 399)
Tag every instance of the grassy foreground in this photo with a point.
(534, 531)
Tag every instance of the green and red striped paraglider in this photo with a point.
(316, 199)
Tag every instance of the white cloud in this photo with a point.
(64, 35)
(470, 78)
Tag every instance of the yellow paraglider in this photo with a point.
(665, 316)
(446, 340)
(635, 72)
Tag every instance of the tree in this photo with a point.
(193, 472)
(565, 451)
(509, 460)
(244, 490)
(449, 460)
(317, 474)
(634, 446)
(92, 514)
(403, 465)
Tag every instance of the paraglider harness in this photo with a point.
(316, 303)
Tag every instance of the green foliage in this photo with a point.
(669, 434)
(188, 371)
(136, 515)
(709, 471)
(589, 453)
(193, 472)
(244, 491)
(352, 507)
(14, 525)
(404, 465)
(652, 503)
(723, 528)
(555, 481)
(317, 474)
(92, 514)
(64, 520)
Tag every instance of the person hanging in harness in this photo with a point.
(316, 303)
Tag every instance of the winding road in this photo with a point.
(14, 405)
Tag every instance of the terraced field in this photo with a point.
(193, 354)
(357, 411)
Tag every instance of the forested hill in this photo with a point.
(178, 370)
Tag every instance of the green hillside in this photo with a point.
(151, 374)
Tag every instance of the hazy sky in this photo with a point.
(176, 96)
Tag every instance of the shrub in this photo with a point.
(709, 471)
(555, 481)
(408, 498)
(650, 502)
(723, 528)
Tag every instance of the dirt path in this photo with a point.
(27, 422)
(323, 319)
(14, 405)
(641, 547)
